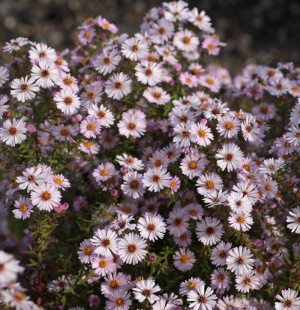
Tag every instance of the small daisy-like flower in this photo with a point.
(17, 299)
(184, 259)
(192, 165)
(201, 134)
(229, 157)
(190, 285)
(46, 74)
(23, 208)
(130, 162)
(24, 88)
(220, 280)
(114, 281)
(146, 289)
(9, 268)
(31, 178)
(103, 265)
(185, 40)
(45, 197)
(156, 179)
(240, 221)
(106, 242)
(151, 226)
(15, 44)
(194, 211)
(294, 220)
(90, 127)
(288, 301)
(156, 95)
(133, 123)
(64, 132)
(209, 231)
(271, 165)
(201, 298)
(182, 134)
(228, 126)
(104, 172)
(40, 53)
(239, 203)
(135, 48)
(148, 73)
(132, 248)
(177, 222)
(67, 101)
(133, 185)
(59, 181)
(247, 281)
(107, 61)
(220, 253)
(209, 182)
(239, 260)
(106, 118)
(86, 251)
(66, 80)
(174, 184)
(201, 20)
(122, 222)
(118, 300)
(13, 132)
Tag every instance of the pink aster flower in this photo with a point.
(23, 208)
(105, 242)
(146, 289)
(90, 127)
(229, 157)
(184, 259)
(13, 132)
(156, 179)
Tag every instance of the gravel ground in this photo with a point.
(261, 31)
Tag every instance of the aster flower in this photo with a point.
(86, 252)
(103, 265)
(24, 88)
(209, 182)
(192, 165)
(294, 220)
(228, 126)
(247, 281)
(209, 231)
(156, 179)
(177, 221)
(220, 281)
(239, 203)
(15, 44)
(17, 299)
(114, 281)
(135, 48)
(184, 259)
(146, 289)
(132, 248)
(107, 61)
(130, 162)
(239, 260)
(40, 53)
(118, 300)
(67, 101)
(23, 208)
(105, 242)
(151, 226)
(148, 73)
(190, 285)
(105, 116)
(176, 10)
(45, 74)
(201, 20)
(288, 301)
(45, 197)
(240, 221)
(118, 86)
(122, 222)
(220, 253)
(156, 95)
(202, 298)
(13, 132)
(9, 268)
(185, 40)
(59, 181)
(104, 172)
(3, 107)
(229, 157)
(201, 134)
(90, 127)
(133, 123)
(182, 134)
(133, 185)
(4, 75)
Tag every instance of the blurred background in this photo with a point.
(260, 31)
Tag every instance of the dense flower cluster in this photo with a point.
(137, 175)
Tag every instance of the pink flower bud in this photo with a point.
(31, 128)
(203, 121)
(114, 193)
(124, 170)
(177, 67)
